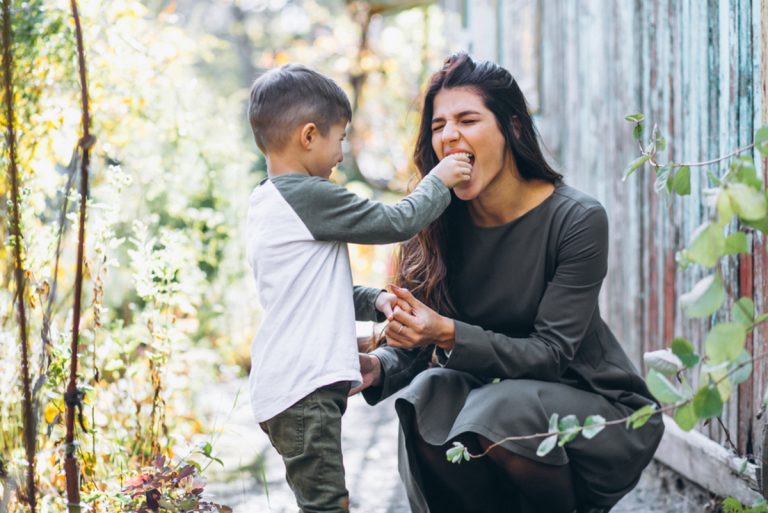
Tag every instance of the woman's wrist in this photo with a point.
(446, 337)
(376, 374)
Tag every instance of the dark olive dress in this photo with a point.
(526, 295)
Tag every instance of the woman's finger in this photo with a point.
(402, 317)
(399, 335)
(403, 305)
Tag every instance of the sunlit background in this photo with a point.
(169, 305)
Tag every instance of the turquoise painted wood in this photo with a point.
(696, 68)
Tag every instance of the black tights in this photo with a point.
(491, 484)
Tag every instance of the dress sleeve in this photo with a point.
(398, 368)
(563, 318)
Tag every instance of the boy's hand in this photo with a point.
(386, 303)
(453, 169)
(370, 369)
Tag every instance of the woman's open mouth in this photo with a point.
(470, 156)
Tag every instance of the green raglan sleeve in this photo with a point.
(332, 213)
(365, 303)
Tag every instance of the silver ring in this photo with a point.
(401, 328)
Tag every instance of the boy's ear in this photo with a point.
(308, 133)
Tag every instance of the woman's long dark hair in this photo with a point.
(422, 264)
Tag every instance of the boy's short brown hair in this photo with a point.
(291, 95)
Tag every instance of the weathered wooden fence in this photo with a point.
(700, 70)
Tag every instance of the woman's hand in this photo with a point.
(419, 327)
(370, 368)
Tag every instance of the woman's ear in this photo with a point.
(307, 135)
(516, 127)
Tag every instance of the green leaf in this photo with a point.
(714, 179)
(635, 118)
(684, 350)
(718, 375)
(457, 453)
(743, 311)
(681, 181)
(707, 245)
(685, 416)
(705, 298)
(662, 179)
(707, 402)
(761, 318)
(546, 446)
(724, 208)
(743, 170)
(593, 425)
(641, 416)
(661, 388)
(635, 164)
(637, 132)
(748, 203)
(725, 341)
(661, 143)
(569, 427)
(760, 224)
(553, 422)
(761, 140)
(736, 243)
(743, 363)
(663, 361)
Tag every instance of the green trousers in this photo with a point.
(308, 437)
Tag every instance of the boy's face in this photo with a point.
(327, 151)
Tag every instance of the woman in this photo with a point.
(505, 285)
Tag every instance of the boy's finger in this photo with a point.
(405, 295)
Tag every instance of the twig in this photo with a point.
(29, 421)
(623, 420)
(652, 158)
(73, 395)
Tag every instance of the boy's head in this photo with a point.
(291, 97)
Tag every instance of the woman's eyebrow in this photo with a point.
(458, 115)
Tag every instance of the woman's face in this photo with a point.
(461, 123)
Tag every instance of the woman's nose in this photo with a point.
(449, 132)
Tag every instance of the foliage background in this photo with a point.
(169, 306)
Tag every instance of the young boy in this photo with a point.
(304, 356)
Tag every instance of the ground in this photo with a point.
(370, 457)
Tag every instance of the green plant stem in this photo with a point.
(652, 159)
(29, 421)
(623, 420)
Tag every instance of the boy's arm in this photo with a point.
(332, 213)
(365, 304)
